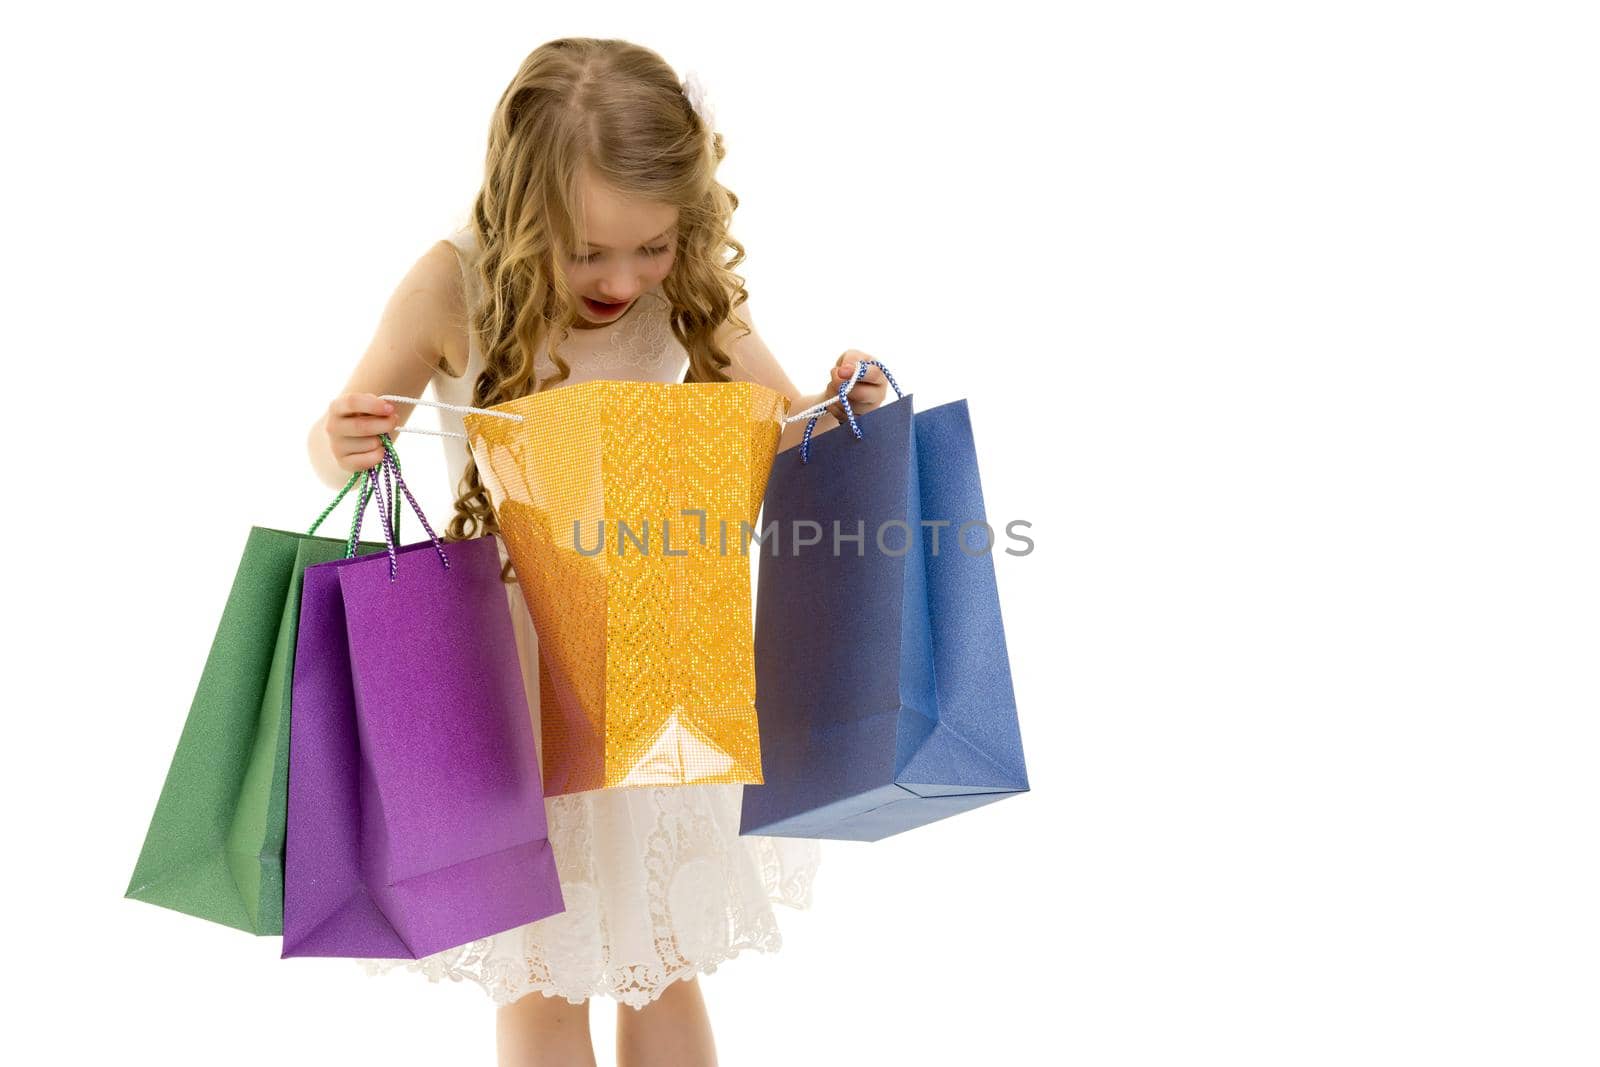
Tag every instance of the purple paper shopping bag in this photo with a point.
(416, 818)
(883, 686)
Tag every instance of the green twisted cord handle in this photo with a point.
(368, 480)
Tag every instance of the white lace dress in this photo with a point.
(657, 882)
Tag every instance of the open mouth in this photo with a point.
(603, 309)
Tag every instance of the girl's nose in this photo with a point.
(617, 290)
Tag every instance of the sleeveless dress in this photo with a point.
(657, 882)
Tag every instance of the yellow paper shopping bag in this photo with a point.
(626, 508)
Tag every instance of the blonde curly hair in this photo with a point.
(617, 111)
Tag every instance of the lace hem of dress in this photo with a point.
(634, 985)
(507, 977)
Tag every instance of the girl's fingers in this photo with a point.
(366, 425)
(844, 371)
(355, 447)
(362, 404)
(365, 460)
(355, 424)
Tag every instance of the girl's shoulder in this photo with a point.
(447, 274)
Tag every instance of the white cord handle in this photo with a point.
(462, 409)
(459, 408)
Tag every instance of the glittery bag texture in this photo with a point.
(646, 652)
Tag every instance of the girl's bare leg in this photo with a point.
(539, 1031)
(672, 1030)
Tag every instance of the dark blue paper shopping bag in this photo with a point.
(883, 687)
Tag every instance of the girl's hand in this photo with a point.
(354, 422)
(864, 395)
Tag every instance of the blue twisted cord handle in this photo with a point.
(845, 387)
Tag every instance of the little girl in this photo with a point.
(599, 236)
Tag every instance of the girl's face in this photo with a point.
(632, 245)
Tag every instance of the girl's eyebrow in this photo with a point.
(648, 241)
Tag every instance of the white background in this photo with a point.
(1277, 321)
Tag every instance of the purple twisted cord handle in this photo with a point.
(361, 512)
(385, 493)
(390, 470)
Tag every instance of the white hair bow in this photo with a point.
(697, 98)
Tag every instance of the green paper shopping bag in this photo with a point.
(215, 844)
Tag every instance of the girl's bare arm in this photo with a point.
(421, 329)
